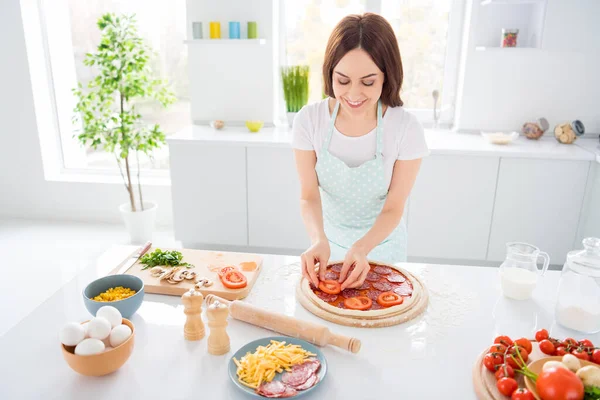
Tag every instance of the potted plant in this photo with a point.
(107, 114)
(295, 88)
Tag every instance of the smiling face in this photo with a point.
(357, 82)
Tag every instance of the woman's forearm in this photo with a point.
(312, 215)
(384, 225)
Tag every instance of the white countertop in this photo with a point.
(427, 358)
(445, 142)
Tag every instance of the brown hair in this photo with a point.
(373, 34)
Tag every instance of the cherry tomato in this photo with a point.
(560, 351)
(516, 362)
(525, 343)
(522, 394)
(559, 384)
(596, 356)
(492, 360)
(498, 348)
(505, 340)
(358, 303)
(330, 287)
(234, 279)
(388, 299)
(504, 371)
(541, 335)
(507, 386)
(570, 342)
(586, 343)
(547, 347)
(581, 354)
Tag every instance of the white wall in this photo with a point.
(23, 190)
(503, 88)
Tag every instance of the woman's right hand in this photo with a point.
(319, 254)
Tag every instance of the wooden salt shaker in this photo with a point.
(218, 340)
(194, 327)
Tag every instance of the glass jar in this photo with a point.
(578, 303)
(509, 37)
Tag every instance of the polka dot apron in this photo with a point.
(353, 199)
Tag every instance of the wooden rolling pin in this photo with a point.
(290, 326)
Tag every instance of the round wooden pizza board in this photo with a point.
(484, 381)
(418, 304)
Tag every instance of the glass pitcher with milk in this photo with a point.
(578, 303)
(519, 272)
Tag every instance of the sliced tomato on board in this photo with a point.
(358, 303)
(388, 299)
(330, 287)
(234, 279)
(225, 270)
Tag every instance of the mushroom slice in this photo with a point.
(178, 276)
(187, 274)
(157, 271)
(168, 274)
(203, 282)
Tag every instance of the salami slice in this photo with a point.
(364, 286)
(381, 270)
(375, 306)
(289, 392)
(336, 268)
(312, 364)
(272, 389)
(326, 297)
(383, 286)
(298, 375)
(347, 293)
(310, 382)
(373, 294)
(403, 290)
(396, 278)
(372, 276)
(332, 276)
(341, 305)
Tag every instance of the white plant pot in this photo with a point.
(290, 118)
(140, 224)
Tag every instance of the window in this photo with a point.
(71, 33)
(427, 35)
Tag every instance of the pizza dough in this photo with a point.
(419, 298)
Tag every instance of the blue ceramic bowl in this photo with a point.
(251, 347)
(127, 306)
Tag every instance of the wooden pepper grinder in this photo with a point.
(218, 340)
(194, 327)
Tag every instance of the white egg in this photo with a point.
(111, 314)
(98, 328)
(119, 335)
(72, 334)
(89, 347)
(85, 328)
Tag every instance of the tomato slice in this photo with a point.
(358, 303)
(225, 270)
(388, 299)
(234, 279)
(330, 287)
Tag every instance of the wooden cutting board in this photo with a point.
(206, 265)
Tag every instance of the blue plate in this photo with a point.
(251, 348)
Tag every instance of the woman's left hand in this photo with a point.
(358, 257)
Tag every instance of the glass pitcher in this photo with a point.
(519, 271)
(578, 303)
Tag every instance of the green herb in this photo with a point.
(295, 86)
(168, 258)
(592, 393)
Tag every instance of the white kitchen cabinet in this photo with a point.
(538, 202)
(274, 218)
(451, 207)
(208, 185)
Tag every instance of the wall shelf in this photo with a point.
(225, 42)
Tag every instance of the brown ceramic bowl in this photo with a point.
(537, 367)
(103, 363)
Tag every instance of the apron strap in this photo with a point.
(331, 126)
(379, 151)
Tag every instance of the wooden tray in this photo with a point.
(203, 262)
(484, 382)
(418, 305)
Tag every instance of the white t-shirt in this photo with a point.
(403, 137)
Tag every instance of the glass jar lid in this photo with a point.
(586, 261)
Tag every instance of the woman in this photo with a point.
(357, 153)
